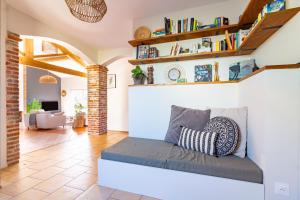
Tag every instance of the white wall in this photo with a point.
(150, 107)
(118, 97)
(71, 84)
(2, 85)
(273, 100)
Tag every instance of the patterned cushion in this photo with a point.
(227, 134)
(197, 140)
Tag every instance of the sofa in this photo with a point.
(50, 121)
(44, 120)
(166, 171)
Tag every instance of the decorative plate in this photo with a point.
(142, 33)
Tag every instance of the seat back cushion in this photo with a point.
(187, 117)
(239, 115)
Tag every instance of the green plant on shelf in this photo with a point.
(35, 105)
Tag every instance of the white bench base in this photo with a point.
(174, 185)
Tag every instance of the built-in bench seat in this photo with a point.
(156, 153)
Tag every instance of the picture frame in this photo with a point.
(111, 81)
(203, 73)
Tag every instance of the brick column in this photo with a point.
(97, 99)
(12, 98)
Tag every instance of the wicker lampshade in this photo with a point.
(90, 11)
(47, 79)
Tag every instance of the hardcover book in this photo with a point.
(203, 73)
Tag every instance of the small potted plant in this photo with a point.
(138, 75)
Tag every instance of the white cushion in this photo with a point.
(239, 115)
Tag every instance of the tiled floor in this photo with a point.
(63, 171)
(35, 139)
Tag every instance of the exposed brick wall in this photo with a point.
(97, 99)
(12, 98)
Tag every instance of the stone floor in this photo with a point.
(63, 171)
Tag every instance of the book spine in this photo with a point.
(192, 24)
(179, 26)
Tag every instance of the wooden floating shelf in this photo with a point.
(190, 83)
(270, 67)
(263, 30)
(196, 56)
(270, 23)
(187, 35)
(252, 10)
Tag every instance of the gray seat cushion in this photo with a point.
(156, 153)
(139, 151)
(231, 166)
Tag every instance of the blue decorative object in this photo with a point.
(203, 73)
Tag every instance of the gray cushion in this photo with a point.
(140, 151)
(156, 153)
(231, 166)
(228, 134)
(190, 118)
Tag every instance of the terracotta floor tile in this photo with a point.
(31, 195)
(4, 196)
(96, 193)
(75, 171)
(19, 186)
(83, 182)
(122, 195)
(64, 193)
(47, 173)
(42, 165)
(53, 183)
(68, 163)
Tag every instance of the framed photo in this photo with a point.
(111, 81)
(203, 73)
(47, 47)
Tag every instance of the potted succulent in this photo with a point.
(138, 75)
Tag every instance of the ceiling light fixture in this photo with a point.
(90, 11)
(47, 79)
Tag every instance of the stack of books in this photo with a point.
(145, 51)
(231, 41)
(181, 26)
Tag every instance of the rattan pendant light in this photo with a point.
(47, 79)
(90, 11)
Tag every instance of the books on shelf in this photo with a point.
(145, 51)
(181, 26)
(221, 21)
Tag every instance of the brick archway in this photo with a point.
(97, 98)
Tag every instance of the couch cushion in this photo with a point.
(139, 151)
(156, 153)
(187, 117)
(231, 167)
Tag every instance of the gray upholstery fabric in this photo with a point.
(140, 151)
(156, 153)
(190, 118)
(231, 167)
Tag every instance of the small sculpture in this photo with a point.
(150, 78)
(216, 75)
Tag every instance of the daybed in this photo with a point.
(166, 171)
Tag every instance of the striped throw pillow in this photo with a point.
(198, 141)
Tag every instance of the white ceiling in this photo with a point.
(114, 30)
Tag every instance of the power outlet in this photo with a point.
(282, 189)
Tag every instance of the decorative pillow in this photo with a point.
(227, 134)
(192, 118)
(239, 115)
(198, 141)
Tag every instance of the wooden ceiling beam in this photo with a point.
(70, 54)
(28, 47)
(51, 57)
(46, 66)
